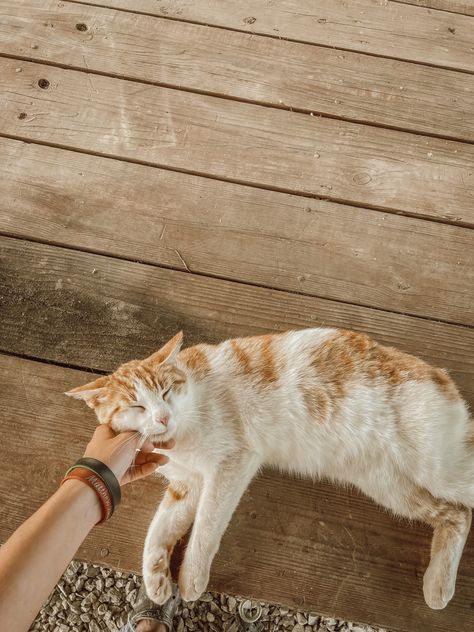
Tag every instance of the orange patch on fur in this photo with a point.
(170, 376)
(350, 355)
(445, 383)
(135, 370)
(334, 365)
(122, 384)
(316, 401)
(242, 356)
(451, 521)
(196, 361)
(113, 412)
(178, 379)
(177, 492)
(267, 361)
(446, 518)
(256, 357)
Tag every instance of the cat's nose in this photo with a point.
(164, 421)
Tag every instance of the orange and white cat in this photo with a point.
(321, 402)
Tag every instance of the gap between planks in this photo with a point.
(206, 14)
(217, 277)
(448, 6)
(241, 67)
(201, 174)
(334, 537)
(51, 362)
(251, 235)
(327, 159)
(139, 307)
(230, 97)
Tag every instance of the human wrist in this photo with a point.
(76, 492)
(100, 478)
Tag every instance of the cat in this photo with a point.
(320, 402)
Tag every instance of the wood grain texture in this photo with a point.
(96, 312)
(454, 6)
(242, 233)
(312, 546)
(262, 146)
(379, 27)
(243, 66)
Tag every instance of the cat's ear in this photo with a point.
(169, 352)
(90, 393)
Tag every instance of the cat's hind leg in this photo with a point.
(170, 523)
(451, 523)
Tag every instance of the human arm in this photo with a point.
(35, 556)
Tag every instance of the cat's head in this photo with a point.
(142, 395)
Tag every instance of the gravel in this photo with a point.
(91, 598)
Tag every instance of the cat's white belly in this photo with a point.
(335, 446)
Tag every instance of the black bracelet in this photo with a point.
(103, 472)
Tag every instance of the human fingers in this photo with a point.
(137, 472)
(117, 453)
(101, 434)
(146, 446)
(164, 445)
(150, 457)
(149, 446)
(143, 469)
(104, 431)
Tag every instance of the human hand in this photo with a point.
(119, 453)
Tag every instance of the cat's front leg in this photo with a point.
(221, 492)
(170, 523)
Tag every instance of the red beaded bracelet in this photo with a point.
(97, 484)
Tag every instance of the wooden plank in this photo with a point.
(242, 233)
(240, 65)
(93, 311)
(455, 6)
(379, 27)
(312, 546)
(262, 146)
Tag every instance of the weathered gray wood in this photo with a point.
(242, 233)
(305, 545)
(240, 65)
(455, 6)
(235, 141)
(96, 312)
(380, 27)
(312, 546)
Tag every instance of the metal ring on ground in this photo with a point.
(248, 612)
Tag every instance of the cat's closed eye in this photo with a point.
(166, 393)
(138, 408)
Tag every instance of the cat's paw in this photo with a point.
(157, 575)
(193, 579)
(438, 587)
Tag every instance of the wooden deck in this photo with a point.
(230, 168)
